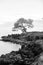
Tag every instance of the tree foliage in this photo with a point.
(22, 24)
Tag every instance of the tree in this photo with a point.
(22, 24)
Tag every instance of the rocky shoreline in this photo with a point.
(31, 48)
(27, 55)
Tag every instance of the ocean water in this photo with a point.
(7, 47)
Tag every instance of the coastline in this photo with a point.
(29, 43)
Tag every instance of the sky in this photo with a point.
(11, 10)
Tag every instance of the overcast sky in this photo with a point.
(10, 10)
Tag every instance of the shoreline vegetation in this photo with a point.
(23, 38)
(31, 48)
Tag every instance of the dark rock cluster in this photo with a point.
(27, 55)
